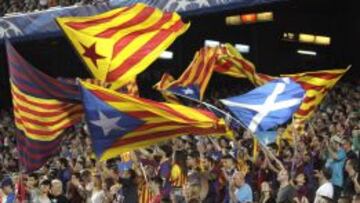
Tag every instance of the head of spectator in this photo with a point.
(229, 162)
(45, 187)
(7, 186)
(56, 187)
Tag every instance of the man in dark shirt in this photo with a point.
(286, 191)
(57, 192)
(352, 177)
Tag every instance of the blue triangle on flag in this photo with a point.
(105, 123)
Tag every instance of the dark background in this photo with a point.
(270, 54)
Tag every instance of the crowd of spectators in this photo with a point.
(321, 166)
(23, 6)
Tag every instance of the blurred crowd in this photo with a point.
(320, 165)
(23, 6)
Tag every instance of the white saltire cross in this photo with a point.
(268, 106)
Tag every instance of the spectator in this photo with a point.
(239, 190)
(266, 195)
(286, 191)
(336, 162)
(44, 192)
(7, 187)
(325, 192)
(57, 192)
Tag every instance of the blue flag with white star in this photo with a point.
(105, 123)
(191, 91)
(267, 106)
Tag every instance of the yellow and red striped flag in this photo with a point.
(232, 63)
(119, 122)
(164, 84)
(119, 44)
(316, 84)
(194, 80)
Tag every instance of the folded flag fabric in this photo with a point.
(266, 106)
(119, 44)
(163, 84)
(35, 153)
(43, 106)
(316, 84)
(194, 80)
(119, 123)
(232, 63)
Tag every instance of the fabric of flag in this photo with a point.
(194, 80)
(232, 63)
(33, 154)
(119, 44)
(267, 106)
(43, 106)
(164, 84)
(316, 84)
(119, 122)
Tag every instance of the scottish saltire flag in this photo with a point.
(267, 106)
(120, 123)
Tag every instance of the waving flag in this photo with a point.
(267, 106)
(163, 84)
(234, 64)
(119, 123)
(316, 84)
(119, 44)
(194, 80)
(43, 108)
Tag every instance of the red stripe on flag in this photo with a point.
(162, 134)
(46, 114)
(108, 97)
(140, 17)
(143, 51)
(123, 42)
(302, 112)
(94, 22)
(42, 105)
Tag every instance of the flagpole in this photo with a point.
(211, 107)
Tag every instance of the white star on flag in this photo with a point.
(268, 106)
(188, 91)
(107, 124)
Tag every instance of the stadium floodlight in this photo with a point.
(243, 48)
(167, 55)
(211, 43)
(306, 52)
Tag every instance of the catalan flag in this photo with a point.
(316, 84)
(119, 122)
(232, 63)
(119, 44)
(165, 83)
(194, 80)
(43, 106)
